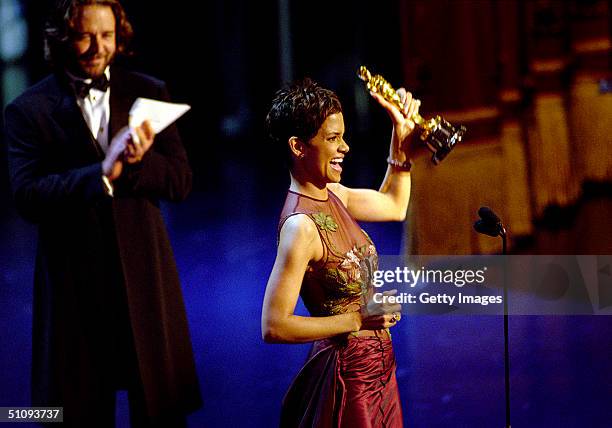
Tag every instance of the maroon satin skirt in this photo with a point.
(345, 383)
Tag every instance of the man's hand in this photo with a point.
(137, 147)
(124, 148)
(112, 165)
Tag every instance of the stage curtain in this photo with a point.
(530, 81)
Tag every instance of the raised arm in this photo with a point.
(390, 202)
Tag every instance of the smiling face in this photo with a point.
(93, 40)
(324, 153)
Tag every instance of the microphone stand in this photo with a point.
(506, 347)
(491, 225)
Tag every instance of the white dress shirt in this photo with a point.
(96, 110)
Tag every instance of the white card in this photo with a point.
(159, 113)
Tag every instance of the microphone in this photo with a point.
(489, 223)
(488, 215)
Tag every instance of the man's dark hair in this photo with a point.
(59, 26)
(299, 111)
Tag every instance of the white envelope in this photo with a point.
(159, 113)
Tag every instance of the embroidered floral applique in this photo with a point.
(347, 275)
(325, 222)
(350, 277)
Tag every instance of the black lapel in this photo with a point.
(120, 102)
(69, 116)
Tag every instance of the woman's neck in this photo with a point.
(307, 188)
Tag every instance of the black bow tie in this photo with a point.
(82, 88)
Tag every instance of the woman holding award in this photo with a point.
(324, 256)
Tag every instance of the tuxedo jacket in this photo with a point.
(105, 274)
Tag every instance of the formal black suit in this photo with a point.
(107, 300)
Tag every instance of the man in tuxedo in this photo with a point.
(108, 310)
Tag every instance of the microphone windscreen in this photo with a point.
(487, 215)
(488, 228)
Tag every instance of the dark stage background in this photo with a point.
(226, 58)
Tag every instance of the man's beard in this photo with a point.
(79, 67)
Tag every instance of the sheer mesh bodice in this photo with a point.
(342, 281)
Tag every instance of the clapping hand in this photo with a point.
(140, 142)
(125, 148)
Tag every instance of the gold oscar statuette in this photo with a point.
(438, 135)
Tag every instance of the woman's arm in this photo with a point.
(299, 245)
(390, 202)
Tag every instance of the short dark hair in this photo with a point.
(299, 110)
(59, 25)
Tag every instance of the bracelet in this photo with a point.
(402, 166)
